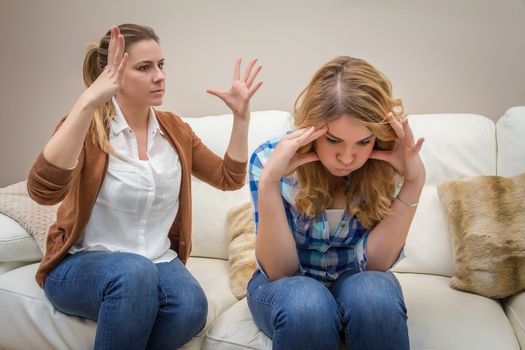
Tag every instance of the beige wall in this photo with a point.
(442, 56)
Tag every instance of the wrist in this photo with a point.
(268, 181)
(86, 103)
(241, 117)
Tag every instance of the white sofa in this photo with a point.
(457, 145)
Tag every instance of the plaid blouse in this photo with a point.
(322, 255)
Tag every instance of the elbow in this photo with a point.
(274, 272)
(42, 197)
(379, 266)
(277, 275)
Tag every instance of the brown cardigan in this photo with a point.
(78, 189)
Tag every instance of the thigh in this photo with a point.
(367, 286)
(374, 312)
(77, 285)
(178, 285)
(299, 300)
(183, 307)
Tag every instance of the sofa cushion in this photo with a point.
(438, 318)
(33, 217)
(486, 216)
(215, 131)
(209, 205)
(515, 310)
(16, 245)
(209, 227)
(428, 248)
(456, 145)
(242, 247)
(29, 321)
(510, 130)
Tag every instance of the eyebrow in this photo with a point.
(339, 139)
(149, 61)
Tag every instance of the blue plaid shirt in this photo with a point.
(322, 255)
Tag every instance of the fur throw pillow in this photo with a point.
(486, 218)
(242, 247)
(33, 217)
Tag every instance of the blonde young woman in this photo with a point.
(332, 219)
(123, 170)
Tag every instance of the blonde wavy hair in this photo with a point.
(94, 62)
(347, 86)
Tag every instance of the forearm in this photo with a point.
(64, 147)
(388, 237)
(238, 145)
(275, 245)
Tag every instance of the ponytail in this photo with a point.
(103, 114)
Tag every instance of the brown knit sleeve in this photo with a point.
(48, 184)
(222, 173)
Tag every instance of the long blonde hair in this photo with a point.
(94, 62)
(350, 87)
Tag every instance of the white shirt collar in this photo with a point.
(119, 123)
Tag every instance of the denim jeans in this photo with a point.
(137, 304)
(299, 312)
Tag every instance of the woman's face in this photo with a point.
(345, 147)
(144, 79)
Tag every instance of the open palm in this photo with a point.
(237, 98)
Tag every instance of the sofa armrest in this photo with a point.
(17, 247)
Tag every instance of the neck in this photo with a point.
(336, 182)
(136, 115)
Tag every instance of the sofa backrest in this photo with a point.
(456, 146)
(511, 142)
(209, 205)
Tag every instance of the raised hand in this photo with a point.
(285, 159)
(405, 155)
(241, 91)
(111, 79)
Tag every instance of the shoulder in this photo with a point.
(264, 150)
(169, 118)
(174, 125)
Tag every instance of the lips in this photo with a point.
(158, 91)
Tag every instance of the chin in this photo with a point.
(339, 172)
(156, 102)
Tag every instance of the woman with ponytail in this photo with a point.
(333, 202)
(122, 170)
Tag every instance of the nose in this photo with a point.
(158, 75)
(346, 156)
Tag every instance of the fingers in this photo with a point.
(237, 70)
(254, 89)
(115, 49)
(417, 147)
(249, 70)
(112, 42)
(395, 124)
(252, 77)
(301, 159)
(218, 93)
(310, 135)
(409, 136)
(122, 66)
(381, 155)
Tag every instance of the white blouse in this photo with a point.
(138, 199)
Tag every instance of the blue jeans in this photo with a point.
(137, 304)
(299, 312)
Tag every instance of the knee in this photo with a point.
(377, 297)
(193, 306)
(133, 273)
(306, 305)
